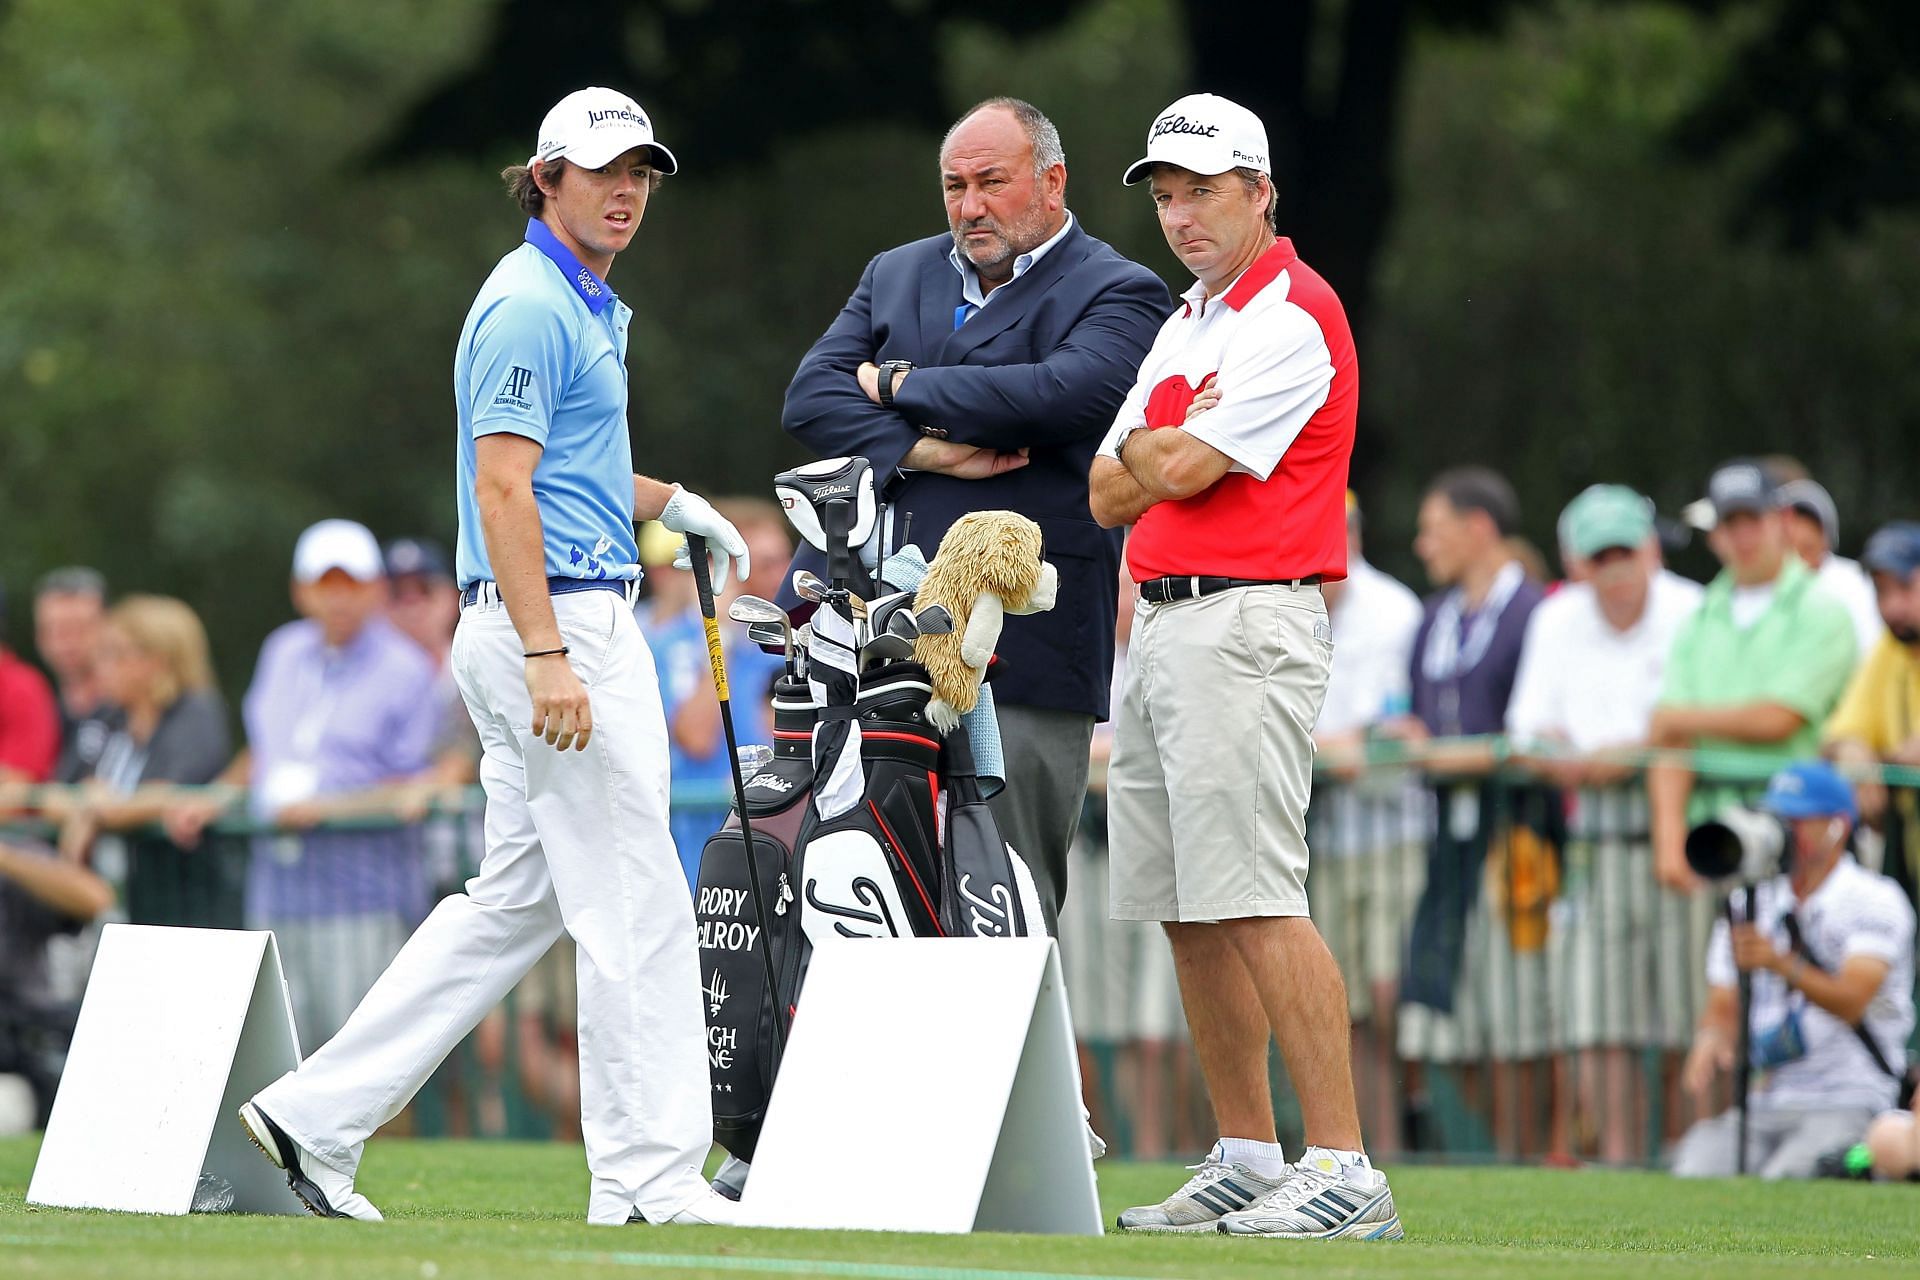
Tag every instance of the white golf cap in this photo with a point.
(592, 126)
(1204, 133)
(337, 544)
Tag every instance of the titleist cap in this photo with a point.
(1204, 133)
(592, 126)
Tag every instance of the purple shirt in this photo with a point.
(322, 721)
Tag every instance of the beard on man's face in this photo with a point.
(1906, 633)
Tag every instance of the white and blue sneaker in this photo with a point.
(1316, 1204)
(1216, 1189)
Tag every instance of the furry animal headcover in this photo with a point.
(988, 565)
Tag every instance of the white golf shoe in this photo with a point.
(1313, 1204)
(1217, 1188)
(325, 1191)
(710, 1210)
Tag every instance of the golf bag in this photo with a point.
(866, 823)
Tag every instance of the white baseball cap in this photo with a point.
(337, 544)
(592, 126)
(1204, 133)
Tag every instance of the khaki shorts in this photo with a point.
(1213, 755)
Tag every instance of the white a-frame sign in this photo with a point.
(178, 1028)
(952, 1054)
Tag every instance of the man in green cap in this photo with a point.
(1589, 676)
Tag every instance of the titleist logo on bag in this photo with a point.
(1180, 124)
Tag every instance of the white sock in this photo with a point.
(1268, 1159)
(1351, 1165)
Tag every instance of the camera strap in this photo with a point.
(1798, 941)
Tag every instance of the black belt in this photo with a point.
(479, 591)
(1161, 590)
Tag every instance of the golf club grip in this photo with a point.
(702, 570)
(716, 657)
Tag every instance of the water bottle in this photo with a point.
(753, 758)
(212, 1194)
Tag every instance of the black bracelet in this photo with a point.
(562, 651)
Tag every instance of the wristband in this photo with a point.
(561, 652)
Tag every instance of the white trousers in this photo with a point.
(575, 840)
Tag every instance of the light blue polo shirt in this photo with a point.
(543, 355)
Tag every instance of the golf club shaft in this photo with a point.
(716, 657)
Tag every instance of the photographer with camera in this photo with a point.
(1829, 949)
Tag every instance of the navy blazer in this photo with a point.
(1044, 367)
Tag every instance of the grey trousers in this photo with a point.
(1046, 754)
(1782, 1142)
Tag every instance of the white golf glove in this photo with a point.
(688, 512)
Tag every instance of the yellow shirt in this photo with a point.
(1881, 700)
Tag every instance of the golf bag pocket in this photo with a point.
(989, 892)
(740, 1011)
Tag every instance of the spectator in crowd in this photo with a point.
(29, 717)
(1466, 655)
(1368, 824)
(42, 896)
(1755, 671)
(1878, 719)
(1813, 530)
(1589, 676)
(979, 368)
(166, 728)
(1122, 988)
(68, 605)
(335, 718)
(1817, 1004)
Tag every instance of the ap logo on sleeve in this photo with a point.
(514, 388)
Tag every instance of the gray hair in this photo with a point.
(1253, 178)
(1047, 151)
(73, 580)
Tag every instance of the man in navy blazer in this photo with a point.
(1023, 334)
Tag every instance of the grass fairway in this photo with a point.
(460, 1209)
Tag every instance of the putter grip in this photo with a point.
(702, 571)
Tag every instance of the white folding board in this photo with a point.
(929, 1084)
(177, 1029)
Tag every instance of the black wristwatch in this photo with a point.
(890, 370)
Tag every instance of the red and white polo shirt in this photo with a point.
(1289, 392)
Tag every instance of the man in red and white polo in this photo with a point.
(1229, 458)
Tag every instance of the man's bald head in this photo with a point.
(986, 122)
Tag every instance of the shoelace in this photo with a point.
(1299, 1184)
(1209, 1172)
